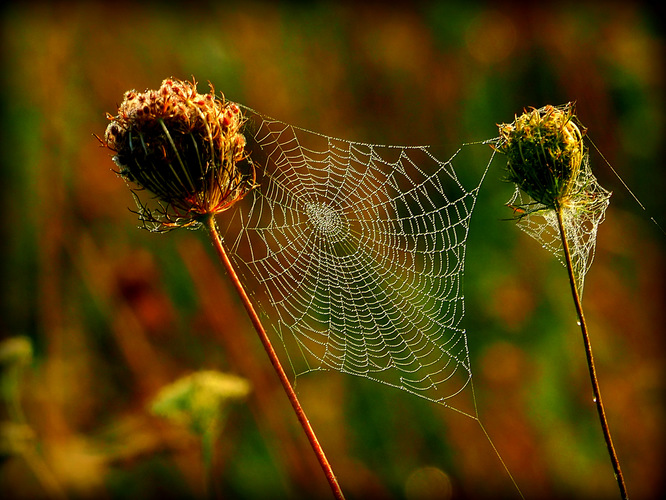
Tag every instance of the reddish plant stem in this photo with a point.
(590, 360)
(268, 346)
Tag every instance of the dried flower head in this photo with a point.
(184, 147)
(545, 151)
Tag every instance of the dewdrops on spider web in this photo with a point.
(356, 252)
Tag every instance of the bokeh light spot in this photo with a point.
(428, 483)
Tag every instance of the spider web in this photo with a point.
(581, 216)
(355, 254)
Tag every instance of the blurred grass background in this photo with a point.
(113, 313)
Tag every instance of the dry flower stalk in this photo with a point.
(545, 154)
(188, 149)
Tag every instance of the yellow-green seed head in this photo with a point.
(545, 150)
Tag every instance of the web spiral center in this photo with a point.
(326, 220)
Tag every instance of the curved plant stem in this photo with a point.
(590, 360)
(284, 380)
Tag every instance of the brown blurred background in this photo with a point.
(113, 313)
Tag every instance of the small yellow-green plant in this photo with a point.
(17, 437)
(200, 402)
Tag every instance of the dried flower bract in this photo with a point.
(545, 151)
(184, 147)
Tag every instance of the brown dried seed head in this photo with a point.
(183, 146)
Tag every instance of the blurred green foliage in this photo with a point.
(199, 402)
(115, 314)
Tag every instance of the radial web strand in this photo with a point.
(584, 211)
(355, 255)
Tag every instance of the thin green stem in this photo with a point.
(208, 438)
(590, 360)
(284, 380)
